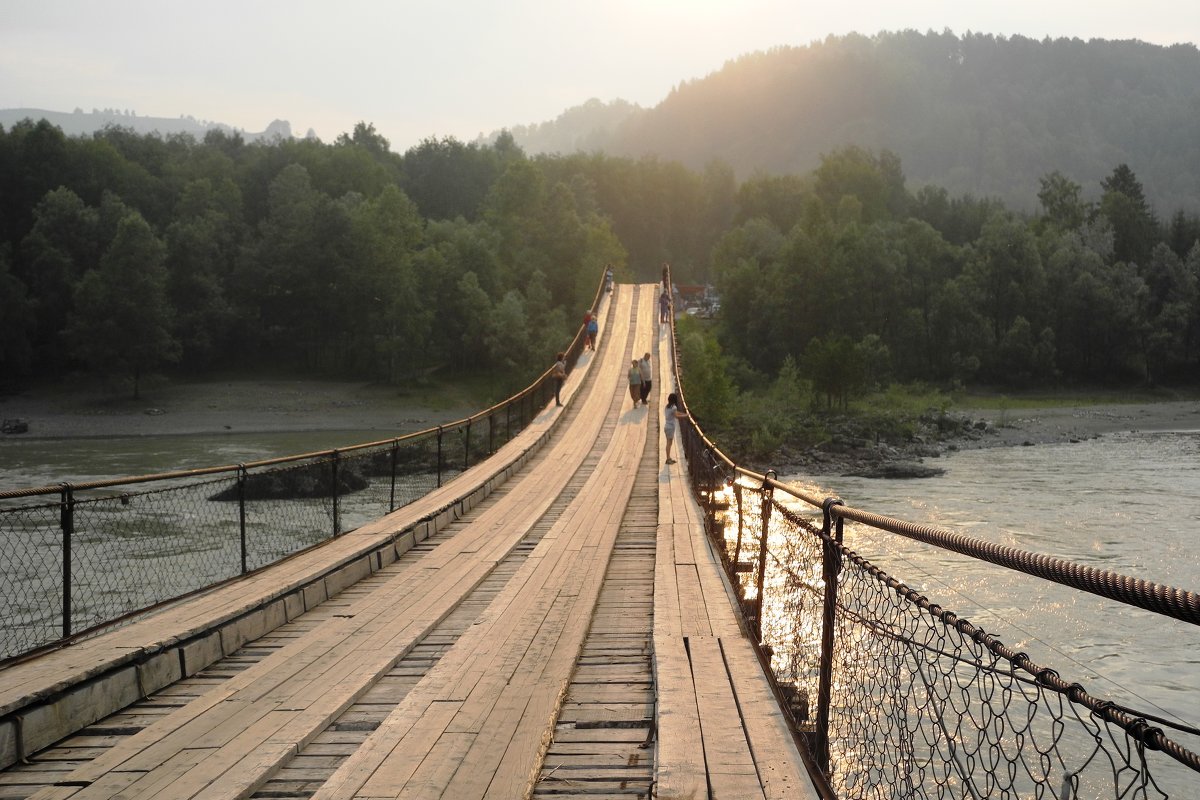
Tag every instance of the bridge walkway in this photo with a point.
(530, 648)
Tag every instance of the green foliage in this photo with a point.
(295, 254)
(16, 320)
(709, 391)
(121, 324)
(350, 260)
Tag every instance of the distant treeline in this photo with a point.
(122, 253)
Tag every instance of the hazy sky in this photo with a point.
(459, 67)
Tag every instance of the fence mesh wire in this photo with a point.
(899, 697)
(104, 550)
(922, 704)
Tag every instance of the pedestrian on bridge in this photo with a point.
(591, 327)
(664, 306)
(635, 382)
(670, 414)
(647, 377)
(560, 375)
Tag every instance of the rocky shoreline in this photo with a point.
(848, 453)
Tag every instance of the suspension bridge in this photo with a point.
(551, 622)
(554, 618)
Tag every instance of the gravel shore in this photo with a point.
(977, 429)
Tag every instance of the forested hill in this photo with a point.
(977, 114)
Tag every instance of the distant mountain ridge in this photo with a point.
(85, 123)
(978, 114)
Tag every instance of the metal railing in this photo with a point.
(78, 557)
(892, 695)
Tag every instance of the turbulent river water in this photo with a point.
(1128, 503)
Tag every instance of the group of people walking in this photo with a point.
(641, 373)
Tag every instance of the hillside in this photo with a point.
(976, 114)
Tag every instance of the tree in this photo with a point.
(16, 321)
(472, 311)
(709, 391)
(1124, 206)
(835, 367)
(122, 321)
(508, 341)
(877, 183)
(1005, 275)
(384, 288)
(275, 278)
(1061, 203)
(63, 245)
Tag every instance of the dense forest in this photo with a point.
(122, 254)
(979, 114)
(842, 282)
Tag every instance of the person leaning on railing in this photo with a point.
(670, 414)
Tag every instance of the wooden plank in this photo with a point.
(781, 771)
(403, 761)
(780, 767)
(731, 769)
(525, 643)
(693, 611)
(679, 772)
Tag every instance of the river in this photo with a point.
(1127, 502)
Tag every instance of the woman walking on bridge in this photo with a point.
(670, 414)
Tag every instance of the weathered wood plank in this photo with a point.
(731, 769)
(680, 772)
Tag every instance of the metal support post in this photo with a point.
(831, 568)
(66, 520)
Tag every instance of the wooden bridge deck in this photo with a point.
(566, 631)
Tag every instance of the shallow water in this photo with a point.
(26, 463)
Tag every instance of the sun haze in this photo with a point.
(418, 69)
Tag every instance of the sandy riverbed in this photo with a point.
(1042, 425)
(243, 406)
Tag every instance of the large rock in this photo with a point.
(300, 482)
(896, 470)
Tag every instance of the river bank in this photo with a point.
(216, 407)
(270, 406)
